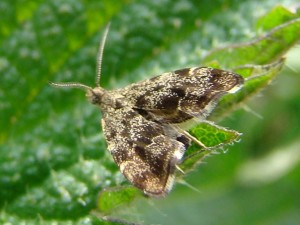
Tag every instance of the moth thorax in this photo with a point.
(95, 95)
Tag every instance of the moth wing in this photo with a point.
(181, 95)
(144, 153)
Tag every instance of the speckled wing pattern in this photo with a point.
(139, 128)
(181, 95)
(144, 153)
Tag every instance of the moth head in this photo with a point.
(95, 95)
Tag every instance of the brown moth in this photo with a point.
(143, 122)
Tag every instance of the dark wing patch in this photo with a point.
(141, 148)
(178, 96)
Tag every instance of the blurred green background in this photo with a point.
(53, 159)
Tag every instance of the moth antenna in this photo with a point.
(100, 55)
(71, 85)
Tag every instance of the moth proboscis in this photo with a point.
(143, 122)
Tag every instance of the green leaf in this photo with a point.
(277, 16)
(53, 157)
(263, 50)
(113, 198)
(211, 136)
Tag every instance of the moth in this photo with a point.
(143, 122)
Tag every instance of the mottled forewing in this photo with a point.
(144, 153)
(178, 96)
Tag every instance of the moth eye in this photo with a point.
(93, 97)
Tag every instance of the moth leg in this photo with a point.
(191, 137)
(179, 169)
(183, 136)
(176, 134)
(194, 139)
